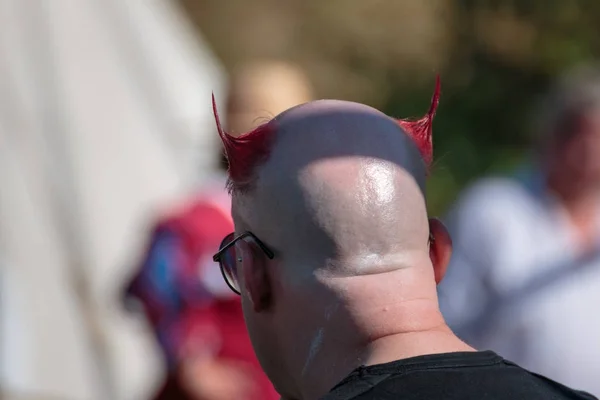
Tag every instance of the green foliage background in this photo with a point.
(496, 58)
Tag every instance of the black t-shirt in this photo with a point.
(466, 376)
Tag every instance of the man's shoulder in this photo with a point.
(566, 391)
(492, 205)
(449, 388)
(452, 376)
(494, 192)
(523, 185)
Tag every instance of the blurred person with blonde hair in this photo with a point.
(524, 279)
(198, 321)
(262, 89)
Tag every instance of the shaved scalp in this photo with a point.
(342, 191)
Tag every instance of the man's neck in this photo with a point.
(338, 359)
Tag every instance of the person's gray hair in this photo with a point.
(574, 94)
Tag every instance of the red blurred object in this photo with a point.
(193, 313)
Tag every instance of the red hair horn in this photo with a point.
(421, 130)
(244, 152)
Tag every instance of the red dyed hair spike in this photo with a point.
(244, 152)
(421, 130)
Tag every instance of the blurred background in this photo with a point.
(106, 123)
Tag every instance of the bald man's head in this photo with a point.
(343, 188)
(336, 191)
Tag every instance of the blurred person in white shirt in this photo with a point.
(524, 279)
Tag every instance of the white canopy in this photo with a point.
(104, 109)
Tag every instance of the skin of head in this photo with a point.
(341, 202)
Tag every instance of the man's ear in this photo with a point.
(256, 281)
(440, 248)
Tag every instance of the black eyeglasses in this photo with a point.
(227, 258)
